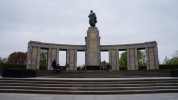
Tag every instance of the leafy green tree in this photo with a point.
(1, 60)
(104, 65)
(81, 67)
(166, 60)
(43, 59)
(123, 59)
(140, 55)
(173, 60)
(141, 58)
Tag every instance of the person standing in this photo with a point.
(67, 67)
(54, 65)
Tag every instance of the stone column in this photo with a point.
(34, 58)
(93, 52)
(118, 66)
(29, 58)
(72, 59)
(75, 60)
(136, 59)
(53, 54)
(147, 59)
(38, 58)
(57, 56)
(152, 58)
(49, 59)
(132, 59)
(68, 56)
(156, 57)
(150, 52)
(113, 59)
(128, 59)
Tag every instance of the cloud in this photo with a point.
(66, 22)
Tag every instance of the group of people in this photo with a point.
(56, 67)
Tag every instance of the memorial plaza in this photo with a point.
(158, 96)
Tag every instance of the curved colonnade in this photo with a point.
(152, 62)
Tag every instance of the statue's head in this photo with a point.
(91, 11)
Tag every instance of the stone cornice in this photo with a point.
(83, 47)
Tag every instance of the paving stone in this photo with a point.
(21, 96)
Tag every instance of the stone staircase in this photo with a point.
(89, 85)
(105, 74)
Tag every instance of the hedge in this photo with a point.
(168, 66)
(5, 66)
(123, 68)
(43, 67)
(160, 67)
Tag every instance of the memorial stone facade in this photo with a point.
(93, 51)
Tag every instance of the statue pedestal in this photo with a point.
(93, 55)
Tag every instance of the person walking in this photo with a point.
(54, 65)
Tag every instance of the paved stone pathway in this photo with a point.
(18, 96)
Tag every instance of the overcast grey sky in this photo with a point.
(66, 22)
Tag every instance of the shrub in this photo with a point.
(62, 67)
(168, 66)
(142, 67)
(6, 66)
(1, 66)
(123, 68)
(43, 67)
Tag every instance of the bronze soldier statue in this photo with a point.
(92, 18)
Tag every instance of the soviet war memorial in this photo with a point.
(92, 50)
(132, 66)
